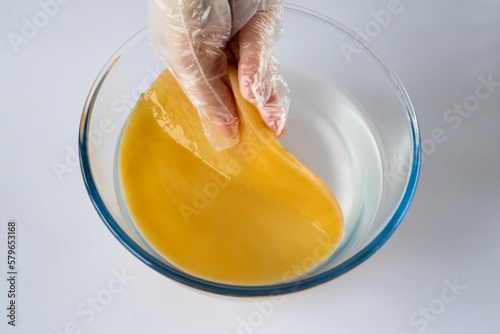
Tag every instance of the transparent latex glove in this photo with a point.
(194, 38)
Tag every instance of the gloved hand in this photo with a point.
(194, 38)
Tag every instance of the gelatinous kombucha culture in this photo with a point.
(248, 215)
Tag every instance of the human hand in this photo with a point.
(194, 38)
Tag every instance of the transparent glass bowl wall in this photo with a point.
(316, 46)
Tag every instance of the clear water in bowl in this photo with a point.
(328, 132)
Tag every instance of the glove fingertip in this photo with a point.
(221, 134)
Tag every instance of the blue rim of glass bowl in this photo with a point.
(234, 290)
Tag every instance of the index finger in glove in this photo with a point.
(190, 36)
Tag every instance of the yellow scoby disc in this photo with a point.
(249, 215)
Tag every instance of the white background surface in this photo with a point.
(66, 254)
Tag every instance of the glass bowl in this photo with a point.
(351, 122)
